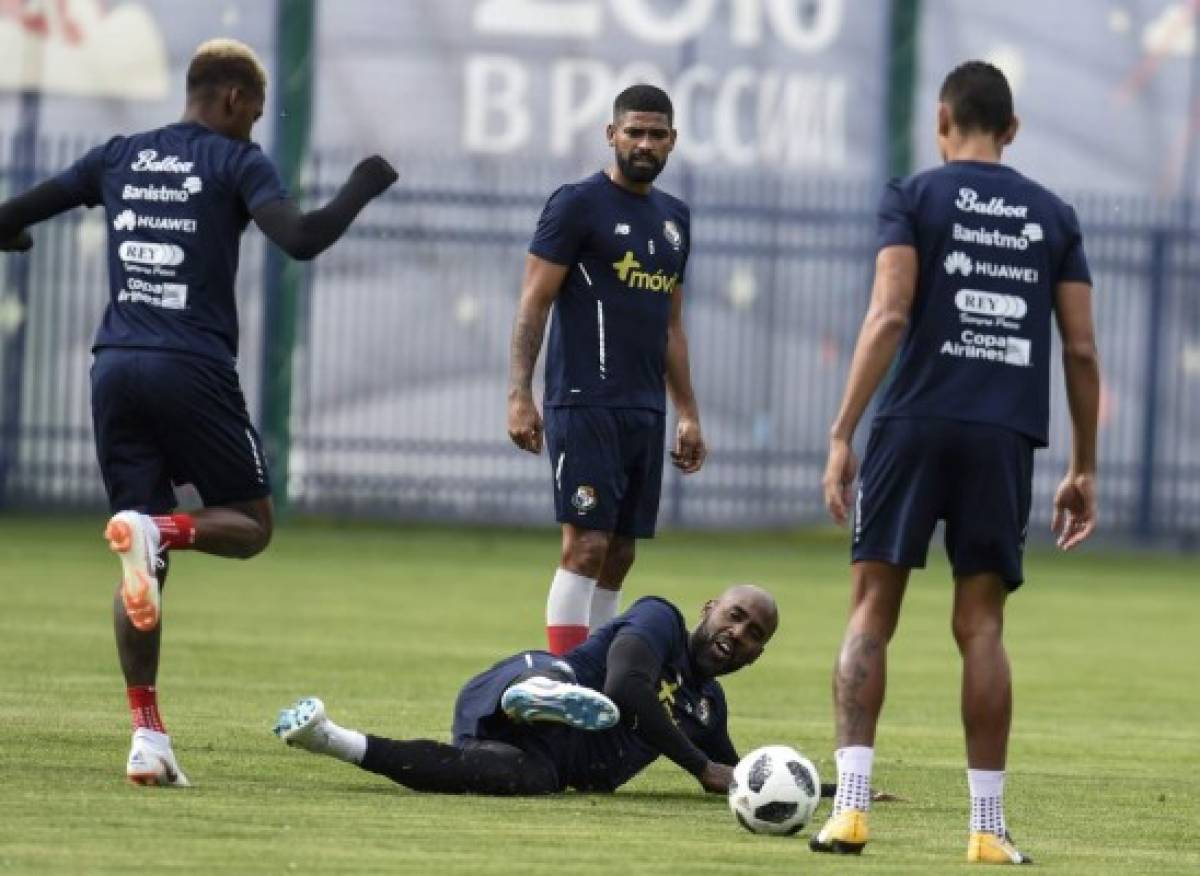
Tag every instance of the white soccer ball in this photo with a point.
(775, 790)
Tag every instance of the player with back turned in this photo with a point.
(975, 261)
(609, 256)
(167, 406)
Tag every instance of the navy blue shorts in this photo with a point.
(163, 418)
(607, 465)
(477, 712)
(976, 477)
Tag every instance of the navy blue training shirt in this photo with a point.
(177, 200)
(605, 760)
(627, 254)
(992, 245)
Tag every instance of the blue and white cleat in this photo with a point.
(303, 725)
(544, 699)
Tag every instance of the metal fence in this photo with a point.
(401, 367)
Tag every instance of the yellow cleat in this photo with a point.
(988, 848)
(843, 834)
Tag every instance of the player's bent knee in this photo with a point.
(584, 551)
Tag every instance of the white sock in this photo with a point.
(347, 745)
(987, 801)
(854, 764)
(567, 610)
(605, 605)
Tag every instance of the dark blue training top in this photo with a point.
(606, 760)
(177, 200)
(992, 245)
(627, 255)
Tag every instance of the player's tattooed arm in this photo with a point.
(540, 287)
(690, 449)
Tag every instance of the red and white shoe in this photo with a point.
(151, 761)
(134, 538)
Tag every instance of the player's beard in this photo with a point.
(640, 173)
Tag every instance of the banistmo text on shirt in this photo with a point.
(166, 194)
(629, 271)
(1031, 233)
(968, 201)
(148, 161)
(127, 220)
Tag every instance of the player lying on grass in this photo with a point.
(639, 687)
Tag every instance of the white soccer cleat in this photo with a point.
(134, 538)
(544, 699)
(152, 762)
(305, 725)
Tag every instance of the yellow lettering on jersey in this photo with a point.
(629, 272)
(666, 696)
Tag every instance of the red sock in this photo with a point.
(177, 530)
(563, 637)
(143, 705)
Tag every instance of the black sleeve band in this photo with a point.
(306, 235)
(43, 201)
(633, 669)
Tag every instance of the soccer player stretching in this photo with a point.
(167, 406)
(974, 260)
(609, 255)
(641, 686)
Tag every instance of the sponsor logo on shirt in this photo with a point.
(1031, 233)
(147, 161)
(991, 348)
(961, 263)
(622, 228)
(169, 296)
(990, 309)
(142, 253)
(629, 271)
(127, 220)
(968, 201)
(167, 194)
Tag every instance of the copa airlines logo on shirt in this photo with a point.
(147, 161)
(193, 185)
(169, 296)
(629, 271)
(961, 263)
(968, 201)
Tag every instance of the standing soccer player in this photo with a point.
(167, 406)
(609, 255)
(974, 260)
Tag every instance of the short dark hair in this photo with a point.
(643, 98)
(979, 98)
(221, 63)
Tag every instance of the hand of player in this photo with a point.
(690, 450)
(1074, 509)
(840, 471)
(524, 423)
(20, 242)
(377, 172)
(716, 777)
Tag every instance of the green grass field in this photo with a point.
(385, 622)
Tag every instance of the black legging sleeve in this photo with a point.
(43, 201)
(633, 670)
(479, 767)
(306, 235)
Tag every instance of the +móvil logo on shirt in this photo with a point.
(629, 271)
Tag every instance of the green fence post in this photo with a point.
(901, 85)
(283, 278)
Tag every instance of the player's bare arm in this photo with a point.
(690, 450)
(540, 287)
(880, 337)
(1075, 501)
(303, 235)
